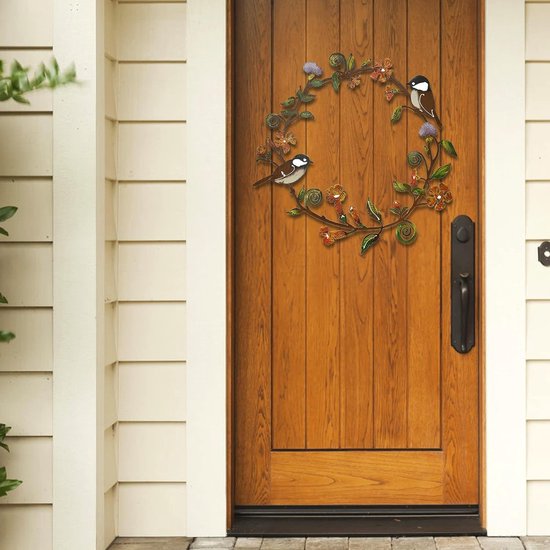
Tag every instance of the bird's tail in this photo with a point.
(262, 181)
(437, 121)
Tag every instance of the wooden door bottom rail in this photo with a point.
(355, 521)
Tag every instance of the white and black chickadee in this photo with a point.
(422, 97)
(289, 172)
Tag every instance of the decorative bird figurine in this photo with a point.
(289, 172)
(422, 97)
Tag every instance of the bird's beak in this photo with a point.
(310, 162)
(409, 84)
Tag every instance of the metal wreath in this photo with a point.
(426, 190)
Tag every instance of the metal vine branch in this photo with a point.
(425, 187)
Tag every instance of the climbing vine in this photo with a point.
(424, 187)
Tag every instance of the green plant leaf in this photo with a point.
(308, 115)
(302, 194)
(369, 241)
(448, 147)
(3, 299)
(4, 232)
(295, 212)
(441, 172)
(21, 99)
(7, 485)
(316, 83)
(6, 336)
(336, 81)
(6, 212)
(401, 187)
(396, 115)
(373, 211)
(351, 62)
(417, 191)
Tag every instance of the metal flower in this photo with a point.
(382, 71)
(390, 91)
(427, 130)
(354, 82)
(336, 194)
(312, 68)
(284, 141)
(439, 197)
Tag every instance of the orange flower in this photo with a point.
(389, 92)
(414, 180)
(284, 141)
(382, 71)
(335, 194)
(261, 150)
(354, 82)
(439, 197)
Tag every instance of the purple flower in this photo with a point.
(427, 130)
(312, 68)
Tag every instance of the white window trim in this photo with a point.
(504, 268)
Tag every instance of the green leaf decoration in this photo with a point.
(396, 115)
(6, 212)
(406, 232)
(273, 120)
(316, 83)
(366, 63)
(401, 187)
(308, 115)
(336, 81)
(449, 148)
(343, 218)
(373, 211)
(289, 113)
(295, 212)
(289, 102)
(6, 336)
(395, 211)
(417, 191)
(302, 194)
(441, 172)
(368, 242)
(314, 198)
(351, 62)
(415, 158)
(305, 98)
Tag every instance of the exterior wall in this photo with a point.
(145, 260)
(537, 67)
(26, 364)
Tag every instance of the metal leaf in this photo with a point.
(401, 187)
(373, 211)
(448, 147)
(369, 241)
(441, 172)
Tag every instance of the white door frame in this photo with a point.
(504, 268)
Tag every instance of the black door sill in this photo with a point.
(325, 521)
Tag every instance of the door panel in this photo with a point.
(347, 388)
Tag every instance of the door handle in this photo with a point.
(462, 284)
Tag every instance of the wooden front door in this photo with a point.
(347, 388)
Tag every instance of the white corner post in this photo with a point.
(505, 267)
(206, 271)
(78, 184)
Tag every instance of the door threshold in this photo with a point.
(356, 521)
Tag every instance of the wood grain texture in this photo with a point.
(390, 258)
(323, 265)
(289, 247)
(356, 173)
(423, 258)
(349, 477)
(252, 278)
(460, 107)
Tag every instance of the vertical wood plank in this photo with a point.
(424, 268)
(460, 108)
(390, 258)
(289, 250)
(356, 291)
(252, 255)
(323, 265)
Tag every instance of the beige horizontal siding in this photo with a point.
(28, 151)
(537, 136)
(537, 46)
(538, 343)
(29, 459)
(26, 527)
(151, 32)
(26, 23)
(537, 80)
(538, 449)
(537, 218)
(29, 325)
(538, 276)
(17, 391)
(538, 390)
(538, 506)
(151, 509)
(151, 212)
(151, 392)
(146, 91)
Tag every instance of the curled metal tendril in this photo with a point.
(414, 158)
(337, 60)
(273, 120)
(406, 232)
(314, 198)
